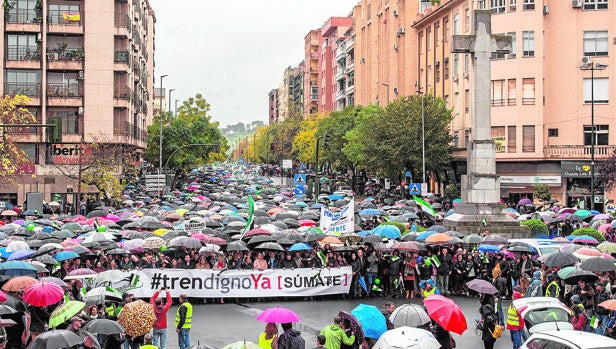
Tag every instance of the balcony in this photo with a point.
(22, 57)
(64, 95)
(350, 44)
(314, 55)
(23, 21)
(340, 72)
(31, 90)
(122, 96)
(122, 24)
(577, 152)
(63, 22)
(65, 59)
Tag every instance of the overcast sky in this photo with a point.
(234, 51)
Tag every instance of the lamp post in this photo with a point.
(160, 136)
(169, 109)
(592, 67)
(423, 137)
(175, 111)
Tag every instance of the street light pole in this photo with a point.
(169, 110)
(160, 136)
(423, 137)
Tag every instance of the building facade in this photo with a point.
(88, 67)
(312, 53)
(332, 76)
(273, 106)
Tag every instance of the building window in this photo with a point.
(595, 4)
(528, 138)
(497, 6)
(23, 82)
(601, 134)
(528, 43)
(437, 72)
(467, 19)
(512, 5)
(456, 24)
(31, 151)
(513, 45)
(467, 100)
(481, 4)
(56, 14)
(498, 136)
(428, 34)
(456, 139)
(23, 11)
(600, 93)
(467, 59)
(511, 92)
(498, 97)
(595, 43)
(529, 5)
(467, 138)
(497, 55)
(22, 47)
(70, 120)
(437, 40)
(446, 29)
(446, 68)
(528, 91)
(552, 132)
(511, 139)
(455, 65)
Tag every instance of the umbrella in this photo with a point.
(412, 315)
(236, 246)
(22, 254)
(356, 328)
(110, 276)
(481, 286)
(65, 312)
(7, 310)
(137, 318)
(585, 253)
(525, 201)
(99, 295)
(446, 313)
(371, 319)
(472, 239)
(18, 284)
(270, 246)
(17, 268)
(564, 272)
(103, 326)
(56, 339)
(65, 255)
(576, 275)
(488, 248)
(278, 315)
(494, 239)
(334, 240)
(406, 246)
(598, 264)
(153, 243)
(55, 280)
(609, 304)
(300, 246)
(424, 235)
(7, 323)
(42, 294)
(387, 231)
(372, 239)
(406, 337)
(438, 238)
(559, 259)
(607, 247)
(242, 345)
(369, 212)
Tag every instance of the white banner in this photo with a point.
(338, 222)
(204, 283)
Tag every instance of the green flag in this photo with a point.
(484, 221)
(322, 257)
(436, 262)
(594, 322)
(426, 205)
(251, 211)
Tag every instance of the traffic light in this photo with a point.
(327, 139)
(55, 133)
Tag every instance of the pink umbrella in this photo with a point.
(112, 217)
(42, 294)
(278, 315)
(566, 210)
(3, 297)
(307, 223)
(605, 227)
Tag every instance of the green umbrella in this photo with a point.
(582, 213)
(564, 272)
(65, 312)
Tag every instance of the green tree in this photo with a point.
(354, 148)
(280, 137)
(542, 192)
(13, 159)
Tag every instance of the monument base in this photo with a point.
(469, 219)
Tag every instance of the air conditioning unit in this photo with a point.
(465, 75)
(80, 111)
(576, 3)
(39, 37)
(401, 31)
(81, 75)
(396, 47)
(585, 60)
(546, 10)
(396, 13)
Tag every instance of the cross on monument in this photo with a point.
(481, 184)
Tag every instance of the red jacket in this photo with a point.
(579, 322)
(161, 311)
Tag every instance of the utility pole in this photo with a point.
(160, 139)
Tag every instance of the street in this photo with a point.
(216, 325)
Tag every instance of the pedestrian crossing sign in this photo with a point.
(299, 179)
(415, 188)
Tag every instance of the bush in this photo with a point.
(398, 225)
(537, 227)
(590, 232)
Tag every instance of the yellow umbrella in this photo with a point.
(161, 231)
(181, 211)
(139, 214)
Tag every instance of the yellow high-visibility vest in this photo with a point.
(188, 320)
(513, 319)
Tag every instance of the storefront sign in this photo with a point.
(207, 283)
(530, 179)
(575, 169)
(499, 143)
(67, 154)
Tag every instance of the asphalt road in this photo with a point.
(219, 324)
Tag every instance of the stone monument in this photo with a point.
(480, 208)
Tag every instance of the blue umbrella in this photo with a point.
(365, 232)
(424, 235)
(22, 254)
(64, 255)
(371, 320)
(370, 212)
(488, 248)
(300, 246)
(17, 268)
(387, 231)
(30, 213)
(4, 253)
(301, 204)
(317, 206)
(335, 197)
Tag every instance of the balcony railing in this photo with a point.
(123, 21)
(528, 101)
(121, 56)
(122, 92)
(59, 17)
(577, 151)
(69, 54)
(23, 16)
(22, 53)
(498, 102)
(63, 90)
(32, 90)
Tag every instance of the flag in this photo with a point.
(66, 297)
(322, 257)
(56, 267)
(594, 322)
(362, 283)
(484, 221)
(436, 262)
(251, 211)
(71, 16)
(426, 206)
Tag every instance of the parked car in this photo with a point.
(568, 339)
(541, 247)
(548, 312)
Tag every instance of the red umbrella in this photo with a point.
(307, 223)
(256, 232)
(42, 294)
(446, 313)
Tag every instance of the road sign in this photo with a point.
(299, 179)
(407, 174)
(287, 164)
(424, 189)
(299, 190)
(415, 188)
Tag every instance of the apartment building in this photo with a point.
(85, 64)
(332, 78)
(312, 53)
(273, 106)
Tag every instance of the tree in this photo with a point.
(542, 192)
(355, 149)
(13, 159)
(605, 172)
(280, 136)
(305, 142)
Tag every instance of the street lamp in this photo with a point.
(160, 136)
(171, 90)
(592, 67)
(423, 137)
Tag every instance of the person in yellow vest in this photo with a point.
(429, 288)
(269, 336)
(515, 323)
(147, 340)
(553, 289)
(183, 320)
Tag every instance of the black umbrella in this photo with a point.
(481, 286)
(46, 259)
(56, 339)
(6, 310)
(518, 248)
(582, 275)
(598, 264)
(494, 239)
(560, 259)
(62, 234)
(103, 326)
(270, 246)
(236, 246)
(315, 237)
(97, 213)
(95, 343)
(152, 225)
(438, 228)
(260, 239)
(372, 239)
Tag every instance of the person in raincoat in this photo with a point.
(335, 335)
(429, 288)
(535, 287)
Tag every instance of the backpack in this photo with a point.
(497, 332)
